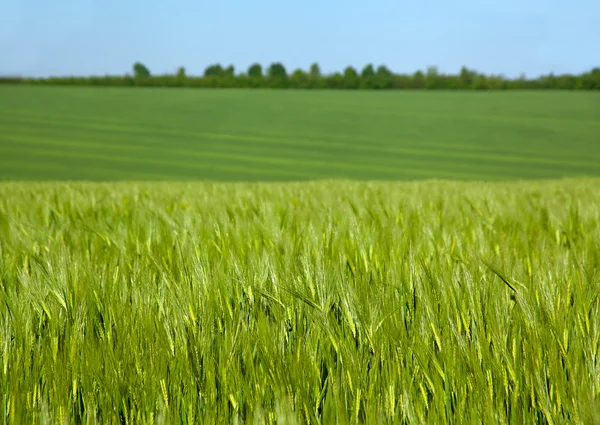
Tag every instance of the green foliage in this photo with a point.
(299, 79)
(351, 78)
(383, 72)
(302, 303)
(255, 70)
(140, 70)
(216, 76)
(419, 80)
(277, 70)
(229, 71)
(368, 71)
(315, 71)
(215, 70)
(433, 80)
(383, 78)
(277, 76)
(467, 76)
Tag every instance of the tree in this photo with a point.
(215, 70)
(418, 80)
(336, 81)
(315, 71)
(595, 78)
(299, 79)
(368, 71)
(277, 76)
(481, 83)
(277, 70)
(255, 70)
(367, 77)
(351, 78)
(467, 76)
(140, 70)
(383, 78)
(433, 72)
(383, 71)
(432, 77)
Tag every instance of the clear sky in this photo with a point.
(83, 37)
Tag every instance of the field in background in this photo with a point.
(314, 302)
(157, 134)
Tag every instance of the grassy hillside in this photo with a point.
(322, 303)
(125, 134)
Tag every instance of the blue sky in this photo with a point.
(83, 37)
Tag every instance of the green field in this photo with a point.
(338, 301)
(238, 135)
(311, 303)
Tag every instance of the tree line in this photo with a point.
(367, 78)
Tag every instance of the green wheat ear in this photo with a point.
(330, 302)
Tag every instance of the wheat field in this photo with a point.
(330, 302)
